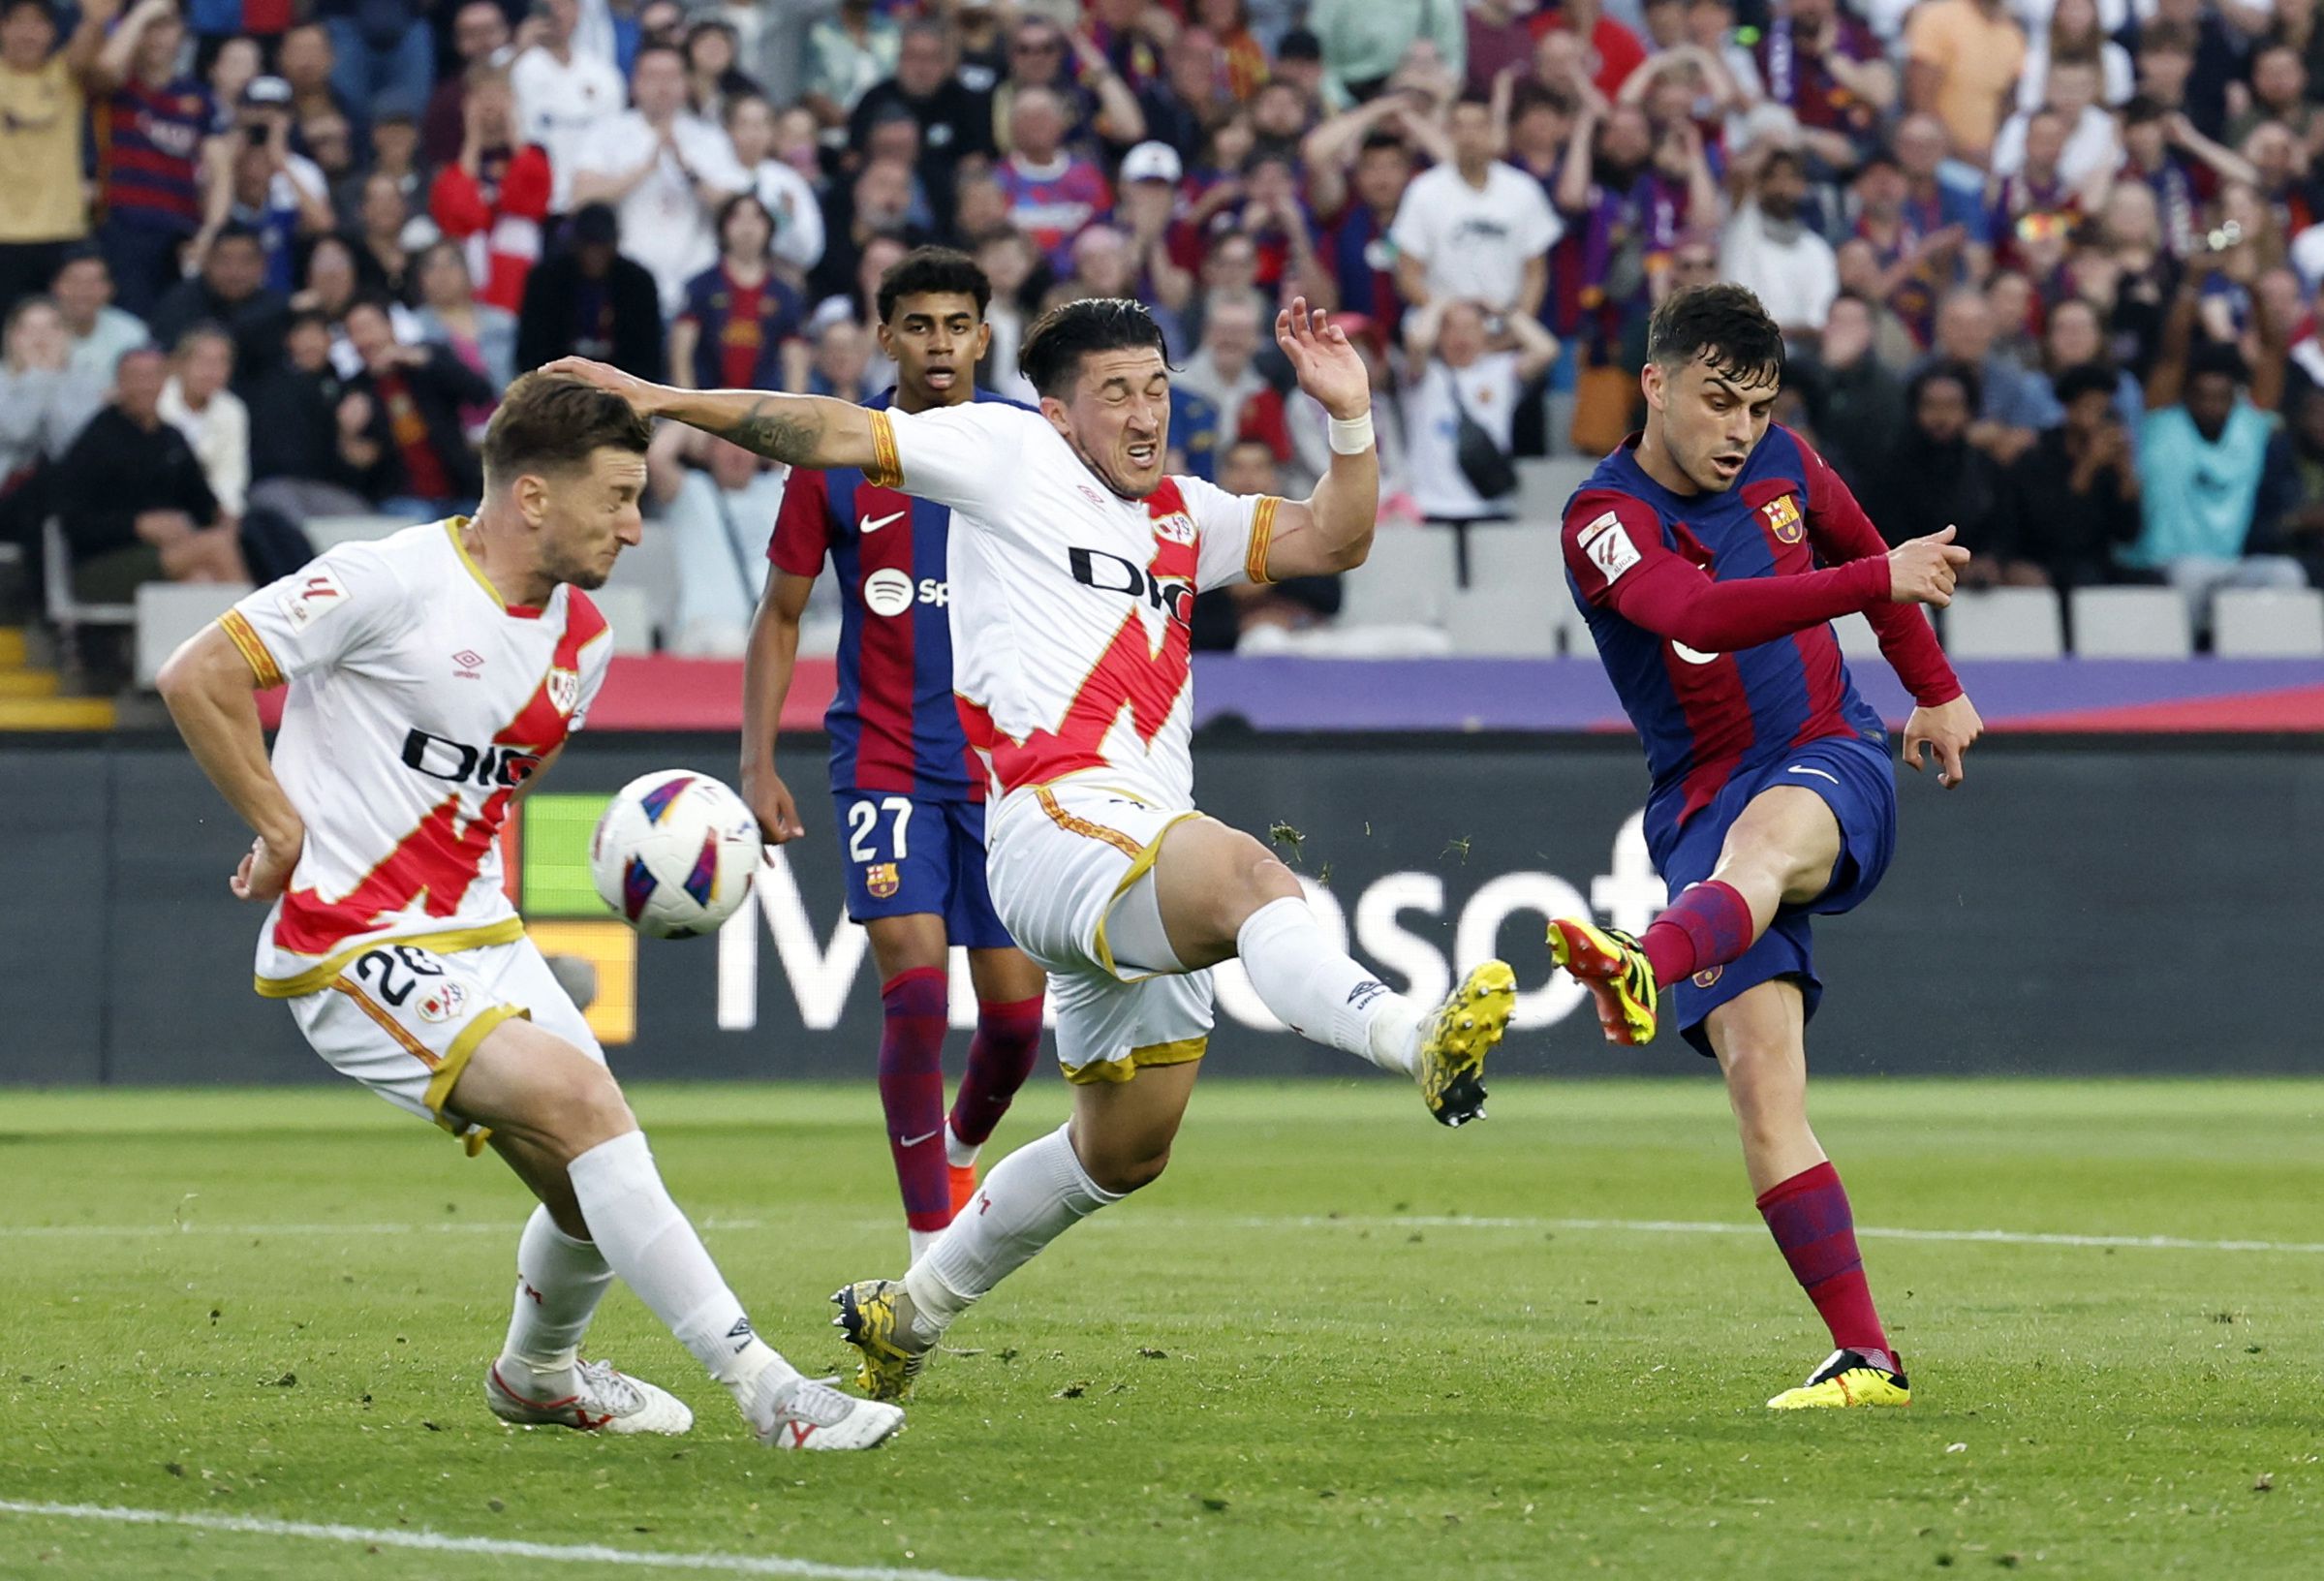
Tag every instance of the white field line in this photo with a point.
(437, 1543)
(1135, 1221)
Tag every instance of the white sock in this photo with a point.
(1032, 1196)
(958, 1154)
(559, 1283)
(1319, 992)
(648, 1242)
(921, 1240)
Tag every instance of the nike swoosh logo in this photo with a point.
(1803, 768)
(915, 1141)
(871, 524)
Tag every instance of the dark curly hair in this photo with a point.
(1051, 360)
(1725, 325)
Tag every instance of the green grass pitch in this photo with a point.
(1335, 1340)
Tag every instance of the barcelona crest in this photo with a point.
(1782, 516)
(880, 879)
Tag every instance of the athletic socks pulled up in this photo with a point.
(1708, 925)
(1031, 1198)
(911, 1092)
(1317, 990)
(1810, 1218)
(559, 1283)
(1001, 1056)
(646, 1240)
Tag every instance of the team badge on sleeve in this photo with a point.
(564, 690)
(1782, 516)
(882, 880)
(1609, 547)
(310, 596)
(444, 1002)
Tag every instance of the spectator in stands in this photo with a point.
(1178, 104)
(1936, 476)
(2298, 528)
(877, 204)
(2081, 145)
(2076, 491)
(1474, 226)
(1357, 172)
(133, 502)
(717, 517)
(383, 53)
(196, 401)
(231, 292)
(1222, 372)
(1365, 41)
(1963, 59)
(843, 362)
(302, 429)
(2076, 31)
(45, 403)
(493, 198)
(481, 334)
(1097, 104)
(412, 447)
(1052, 192)
(40, 143)
(2202, 456)
(1008, 260)
(955, 123)
(1857, 404)
(2014, 404)
(786, 194)
(563, 93)
(331, 286)
(307, 60)
(1770, 247)
(2075, 337)
(666, 171)
(738, 313)
(2278, 94)
(1473, 365)
(148, 151)
(1222, 619)
(847, 54)
(1146, 209)
(479, 32)
(99, 331)
(1826, 68)
(590, 302)
(257, 182)
(713, 76)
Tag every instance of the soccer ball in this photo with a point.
(674, 853)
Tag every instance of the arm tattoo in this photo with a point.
(782, 436)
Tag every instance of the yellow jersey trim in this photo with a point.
(463, 1047)
(886, 470)
(318, 976)
(1125, 1066)
(1140, 864)
(1262, 537)
(388, 1024)
(1088, 829)
(252, 646)
(451, 530)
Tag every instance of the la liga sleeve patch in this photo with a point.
(310, 596)
(1607, 543)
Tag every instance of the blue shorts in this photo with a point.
(905, 857)
(1858, 783)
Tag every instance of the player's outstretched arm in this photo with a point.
(804, 430)
(767, 663)
(1330, 531)
(207, 685)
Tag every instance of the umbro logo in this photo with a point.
(1365, 992)
(741, 1334)
(467, 665)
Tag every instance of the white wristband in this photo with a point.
(1352, 436)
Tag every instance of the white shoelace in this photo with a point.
(815, 1400)
(608, 1388)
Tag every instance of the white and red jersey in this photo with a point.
(1069, 606)
(420, 702)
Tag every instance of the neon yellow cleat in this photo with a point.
(875, 1315)
(1847, 1379)
(1609, 963)
(1456, 1039)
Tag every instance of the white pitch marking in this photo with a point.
(1682, 1226)
(498, 1547)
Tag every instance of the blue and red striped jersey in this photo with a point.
(1703, 716)
(892, 722)
(148, 147)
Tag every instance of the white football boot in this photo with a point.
(594, 1397)
(809, 1414)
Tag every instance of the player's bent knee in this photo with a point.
(1122, 1175)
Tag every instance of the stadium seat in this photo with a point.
(1509, 566)
(1545, 484)
(1407, 582)
(2004, 623)
(2267, 623)
(1511, 620)
(66, 612)
(1858, 640)
(650, 570)
(327, 533)
(2130, 623)
(170, 612)
(632, 616)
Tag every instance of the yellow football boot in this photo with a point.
(1847, 1379)
(875, 1317)
(1609, 963)
(1455, 1040)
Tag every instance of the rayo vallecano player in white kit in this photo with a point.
(1074, 563)
(432, 675)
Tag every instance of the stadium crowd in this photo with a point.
(2047, 267)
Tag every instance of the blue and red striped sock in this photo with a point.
(1709, 926)
(1000, 1058)
(1810, 1218)
(911, 1092)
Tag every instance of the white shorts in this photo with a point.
(403, 1020)
(1062, 859)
